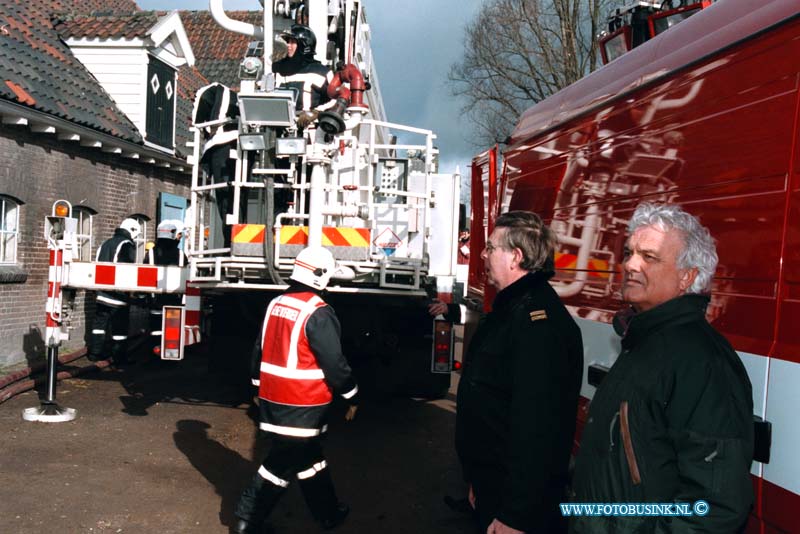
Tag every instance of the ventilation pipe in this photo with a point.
(237, 26)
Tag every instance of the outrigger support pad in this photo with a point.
(50, 411)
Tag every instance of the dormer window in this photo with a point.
(160, 113)
(136, 61)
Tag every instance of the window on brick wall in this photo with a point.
(141, 241)
(9, 229)
(84, 236)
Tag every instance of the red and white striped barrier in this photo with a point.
(53, 333)
(126, 277)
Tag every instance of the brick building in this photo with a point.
(95, 106)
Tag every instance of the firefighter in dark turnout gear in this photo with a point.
(301, 366)
(167, 246)
(165, 252)
(301, 72)
(110, 325)
(518, 394)
(672, 420)
(218, 104)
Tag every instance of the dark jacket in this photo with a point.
(323, 332)
(216, 102)
(119, 248)
(517, 405)
(671, 422)
(165, 252)
(308, 78)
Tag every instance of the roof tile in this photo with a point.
(218, 51)
(39, 70)
(130, 26)
(34, 59)
(21, 94)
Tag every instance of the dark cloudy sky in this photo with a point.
(414, 42)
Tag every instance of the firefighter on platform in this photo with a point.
(165, 252)
(301, 72)
(301, 367)
(167, 247)
(110, 325)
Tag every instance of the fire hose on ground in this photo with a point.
(30, 377)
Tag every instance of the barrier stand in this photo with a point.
(49, 411)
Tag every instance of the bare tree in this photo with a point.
(518, 52)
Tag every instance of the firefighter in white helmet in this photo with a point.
(167, 247)
(110, 325)
(166, 251)
(301, 367)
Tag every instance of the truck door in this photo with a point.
(484, 210)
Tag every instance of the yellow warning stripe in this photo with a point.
(289, 235)
(248, 233)
(331, 236)
(353, 237)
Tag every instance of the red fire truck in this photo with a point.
(365, 188)
(705, 113)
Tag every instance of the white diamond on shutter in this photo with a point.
(154, 85)
(168, 90)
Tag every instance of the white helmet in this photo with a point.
(132, 226)
(169, 229)
(314, 267)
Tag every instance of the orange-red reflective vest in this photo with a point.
(289, 372)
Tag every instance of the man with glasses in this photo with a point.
(518, 394)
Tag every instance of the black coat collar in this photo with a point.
(121, 232)
(520, 288)
(297, 287)
(633, 327)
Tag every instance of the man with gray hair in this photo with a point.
(672, 421)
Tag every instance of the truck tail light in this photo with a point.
(442, 357)
(172, 333)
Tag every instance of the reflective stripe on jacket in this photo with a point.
(119, 248)
(311, 82)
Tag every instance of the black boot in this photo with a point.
(244, 527)
(255, 504)
(337, 518)
(321, 499)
